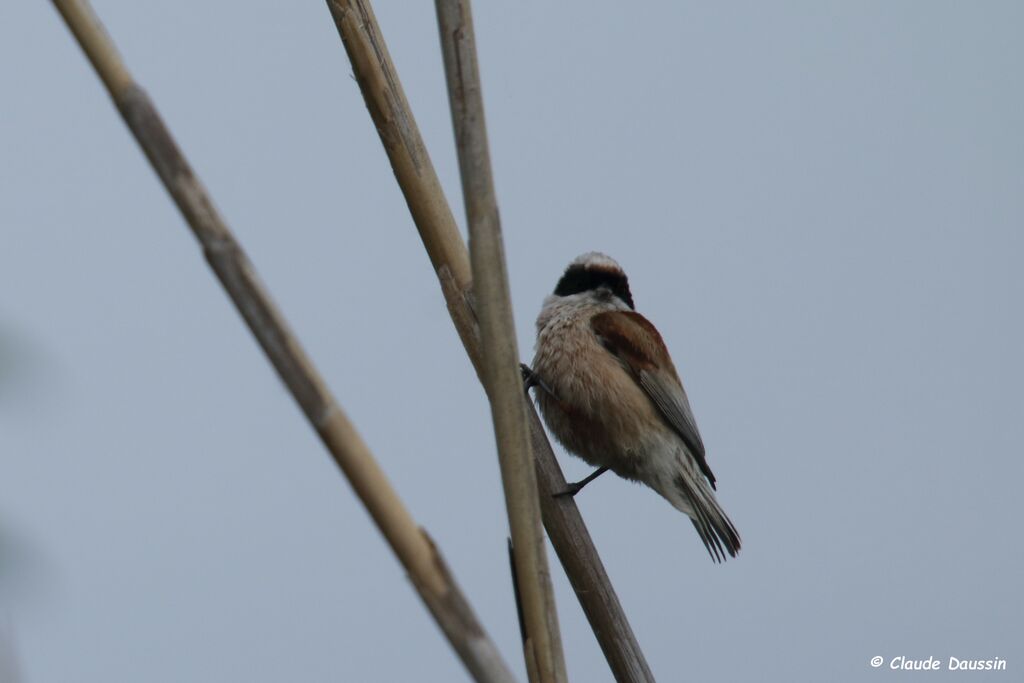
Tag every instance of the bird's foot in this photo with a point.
(570, 490)
(530, 380)
(574, 488)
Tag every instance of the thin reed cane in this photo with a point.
(392, 116)
(500, 356)
(415, 550)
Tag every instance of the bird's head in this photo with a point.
(594, 276)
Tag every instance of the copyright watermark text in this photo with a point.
(902, 663)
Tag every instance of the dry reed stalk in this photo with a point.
(392, 116)
(417, 553)
(500, 357)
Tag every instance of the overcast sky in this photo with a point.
(819, 204)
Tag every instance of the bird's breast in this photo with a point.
(594, 408)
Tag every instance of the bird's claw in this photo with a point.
(574, 488)
(570, 490)
(530, 380)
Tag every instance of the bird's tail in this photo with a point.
(689, 492)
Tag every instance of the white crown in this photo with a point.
(596, 259)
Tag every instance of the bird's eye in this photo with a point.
(621, 290)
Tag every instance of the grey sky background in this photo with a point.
(819, 204)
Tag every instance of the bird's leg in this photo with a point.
(573, 489)
(530, 380)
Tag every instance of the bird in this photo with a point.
(610, 394)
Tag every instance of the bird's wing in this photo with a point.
(635, 342)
